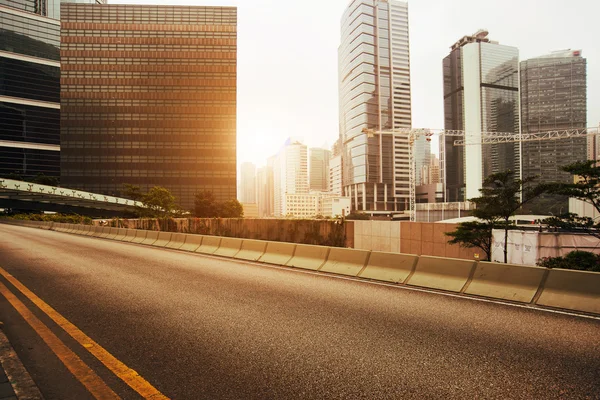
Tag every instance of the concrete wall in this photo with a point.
(377, 235)
(320, 232)
(428, 239)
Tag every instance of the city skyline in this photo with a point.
(434, 26)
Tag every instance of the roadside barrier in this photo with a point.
(192, 242)
(506, 281)
(573, 290)
(228, 247)
(278, 253)
(151, 237)
(210, 244)
(308, 256)
(163, 239)
(140, 236)
(122, 234)
(345, 261)
(177, 240)
(389, 267)
(251, 250)
(441, 273)
(555, 288)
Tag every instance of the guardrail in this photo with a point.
(553, 288)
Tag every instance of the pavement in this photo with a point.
(200, 327)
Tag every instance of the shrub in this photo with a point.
(579, 260)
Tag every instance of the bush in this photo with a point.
(69, 219)
(579, 260)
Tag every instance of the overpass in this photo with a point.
(22, 195)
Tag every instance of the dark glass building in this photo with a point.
(148, 98)
(29, 88)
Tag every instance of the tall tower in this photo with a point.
(481, 93)
(374, 92)
(290, 174)
(553, 96)
(319, 169)
(29, 89)
(247, 183)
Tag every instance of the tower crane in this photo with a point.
(477, 138)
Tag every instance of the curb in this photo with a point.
(23, 386)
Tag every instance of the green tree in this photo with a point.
(133, 192)
(205, 205)
(159, 201)
(474, 234)
(501, 197)
(585, 188)
(231, 209)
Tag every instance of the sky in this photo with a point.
(287, 58)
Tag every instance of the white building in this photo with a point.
(374, 93)
(247, 191)
(319, 169)
(290, 174)
(335, 206)
(335, 175)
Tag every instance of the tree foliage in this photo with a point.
(501, 197)
(474, 234)
(159, 201)
(206, 206)
(132, 192)
(585, 188)
(579, 260)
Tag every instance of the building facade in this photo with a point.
(553, 97)
(319, 169)
(148, 98)
(247, 183)
(264, 189)
(374, 93)
(29, 88)
(290, 175)
(481, 94)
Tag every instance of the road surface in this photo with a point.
(200, 327)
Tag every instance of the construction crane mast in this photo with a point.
(466, 139)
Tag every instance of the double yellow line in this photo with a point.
(94, 384)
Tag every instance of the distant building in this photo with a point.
(434, 170)
(422, 155)
(264, 189)
(335, 206)
(335, 174)
(290, 174)
(553, 97)
(247, 183)
(319, 169)
(481, 94)
(250, 210)
(148, 97)
(374, 93)
(29, 88)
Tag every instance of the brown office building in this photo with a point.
(148, 97)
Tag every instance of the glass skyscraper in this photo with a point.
(148, 98)
(374, 92)
(481, 94)
(29, 88)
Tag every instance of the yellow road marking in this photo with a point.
(128, 375)
(93, 383)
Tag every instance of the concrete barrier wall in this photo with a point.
(210, 244)
(151, 237)
(163, 239)
(573, 290)
(193, 242)
(345, 261)
(105, 232)
(278, 253)
(229, 247)
(140, 236)
(177, 240)
(121, 235)
(113, 233)
(506, 281)
(130, 235)
(251, 250)
(441, 273)
(389, 267)
(309, 257)
(429, 239)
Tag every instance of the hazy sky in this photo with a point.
(287, 58)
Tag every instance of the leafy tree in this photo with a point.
(159, 201)
(205, 205)
(501, 196)
(587, 189)
(132, 192)
(579, 260)
(231, 209)
(42, 179)
(474, 234)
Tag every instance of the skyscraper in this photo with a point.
(319, 169)
(422, 155)
(481, 94)
(148, 98)
(374, 92)
(30, 88)
(247, 183)
(553, 96)
(290, 174)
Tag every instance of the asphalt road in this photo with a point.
(199, 327)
